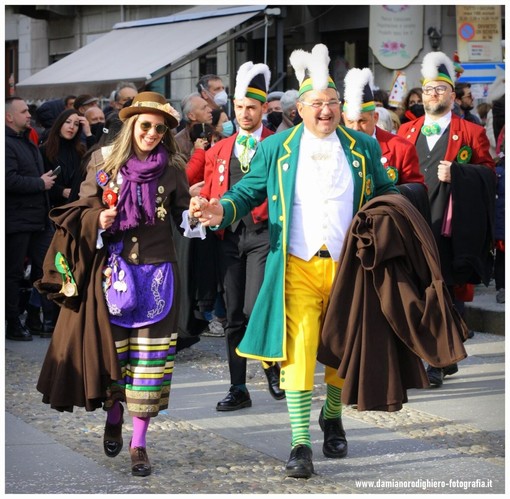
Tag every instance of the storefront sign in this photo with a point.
(396, 34)
(479, 33)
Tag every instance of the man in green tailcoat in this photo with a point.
(315, 176)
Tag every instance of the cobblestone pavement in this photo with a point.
(190, 459)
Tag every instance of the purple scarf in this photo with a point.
(138, 189)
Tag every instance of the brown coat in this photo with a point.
(389, 308)
(81, 360)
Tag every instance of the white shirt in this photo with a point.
(238, 149)
(443, 122)
(323, 199)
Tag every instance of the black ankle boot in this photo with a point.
(33, 321)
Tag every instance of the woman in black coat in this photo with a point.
(63, 150)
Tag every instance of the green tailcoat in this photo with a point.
(273, 175)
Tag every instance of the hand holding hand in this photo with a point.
(209, 213)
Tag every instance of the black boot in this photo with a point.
(33, 321)
(435, 375)
(17, 331)
(273, 381)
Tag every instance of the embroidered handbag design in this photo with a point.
(118, 282)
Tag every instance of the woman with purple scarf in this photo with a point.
(135, 193)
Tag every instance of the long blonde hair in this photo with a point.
(123, 149)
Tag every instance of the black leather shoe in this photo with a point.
(273, 381)
(17, 331)
(235, 399)
(335, 443)
(435, 375)
(300, 463)
(449, 370)
(112, 439)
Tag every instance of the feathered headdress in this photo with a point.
(358, 92)
(437, 66)
(311, 68)
(252, 81)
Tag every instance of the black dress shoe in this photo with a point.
(273, 381)
(435, 375)
(451, 369)
(17, 331)
(235, 399)
(335, 443)
(300, 463)
(112, 439)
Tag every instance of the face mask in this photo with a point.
(97, 130)
(228, 128)
(275, 118)
(417, 109)
(221, 98)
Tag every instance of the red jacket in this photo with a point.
(399, 153)
(217, 164)
(196, 167)
(462, 133)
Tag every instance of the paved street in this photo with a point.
(445, 440)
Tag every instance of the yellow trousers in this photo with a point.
(307, 289)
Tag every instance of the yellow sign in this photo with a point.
(479, 33)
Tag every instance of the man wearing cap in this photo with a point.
(84, 102)
(360, 113)
(459, 173)
(316, 176)
(244, 244)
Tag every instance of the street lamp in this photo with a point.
(435, 37)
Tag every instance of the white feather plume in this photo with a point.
(246, 73)
(432, 61)
(316, 62)
(299, 60)
(354, 84)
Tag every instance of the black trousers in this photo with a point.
(243, 256)
(18, 247)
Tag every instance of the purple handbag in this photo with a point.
(118, 282)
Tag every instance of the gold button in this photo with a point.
(275, 197)
(134, 256)
(281, 218)
(134, 239)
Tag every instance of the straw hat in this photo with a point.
(151, 102)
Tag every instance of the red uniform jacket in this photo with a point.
(399, 156)
(461, 133)
(217, 168)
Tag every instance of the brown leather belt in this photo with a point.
(323, 254)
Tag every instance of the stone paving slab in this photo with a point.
(441, 442)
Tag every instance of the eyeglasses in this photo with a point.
(439, 90)
(160, 129)
(319, 104)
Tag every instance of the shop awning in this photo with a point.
(136, 51)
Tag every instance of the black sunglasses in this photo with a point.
(160, 129)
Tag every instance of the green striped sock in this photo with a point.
(333, 404)
(299, 404)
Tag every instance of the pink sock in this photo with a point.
(114, 414)
(140, 426)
